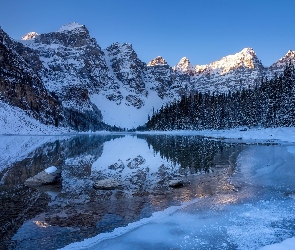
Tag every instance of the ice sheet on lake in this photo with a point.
(268, 166)
(247, 226)
(265, 218)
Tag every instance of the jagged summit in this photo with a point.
(184, 66)
(72, 27)
(30, 36)
(290, 54)
(278, 65)
(157, 61)
(248, 51)
(244, 59)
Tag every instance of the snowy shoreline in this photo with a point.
(285, 134)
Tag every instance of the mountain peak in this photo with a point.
(290, 54)
(157, 61)
(72, 27)
(248, 51)
(184, 66)
(30, 36)
(246, 58)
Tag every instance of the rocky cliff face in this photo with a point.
(231, 73)
(22, 87)
(73, 67)
(168, 83)
(127, 70)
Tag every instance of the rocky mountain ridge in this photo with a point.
(114, 86)
(233, 72)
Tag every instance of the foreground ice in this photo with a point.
(285, 245)
(262, 213)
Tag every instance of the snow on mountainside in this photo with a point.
(114, 86)
(73, 67)
(246, 58)
(21, 86)
(14, 120)
(129, 100)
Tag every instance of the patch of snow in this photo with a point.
(126, 116)
(50, 170)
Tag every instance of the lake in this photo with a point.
(235, 194)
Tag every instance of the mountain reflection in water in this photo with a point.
(143, 164)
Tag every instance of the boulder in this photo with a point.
(176, 183)
(106, 184)
(48, 176)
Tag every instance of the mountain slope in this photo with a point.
(21, 86)
(73, 67)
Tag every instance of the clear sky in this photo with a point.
(203, 31)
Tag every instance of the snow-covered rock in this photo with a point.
(30, 36)
(279, 65)
(157, 61)
(185, 66)
(230, 73)
(48, 176)
(50, 170)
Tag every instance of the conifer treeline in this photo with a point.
(269, 104)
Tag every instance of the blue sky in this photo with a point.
(203, 31)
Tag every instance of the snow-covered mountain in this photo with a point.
(279, 65)
(184, 66)
(91, 85)
(232, 72)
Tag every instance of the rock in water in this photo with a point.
(106, 184)
(48, 176)
(176, 183)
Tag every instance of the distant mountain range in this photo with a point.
(64, 78)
